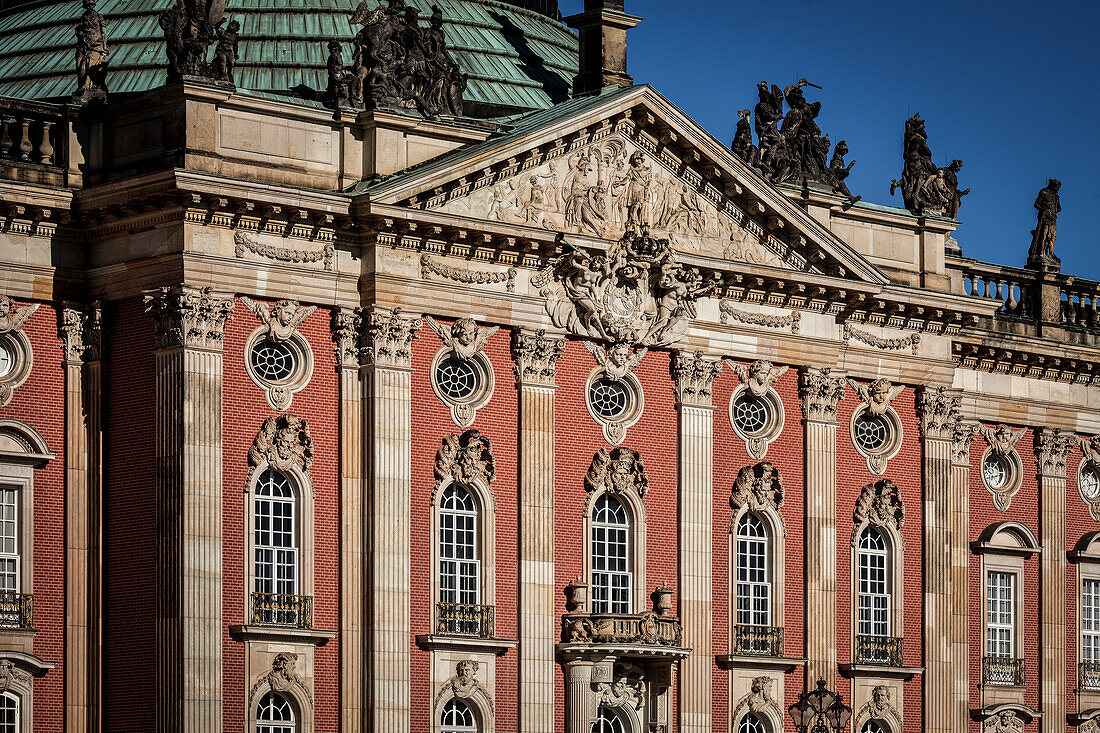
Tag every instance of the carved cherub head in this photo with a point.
(1003, 435)
(464, 331)
(880, 391)
(619, 355)
(283, 311)
(466, 669)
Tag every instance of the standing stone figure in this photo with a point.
(91, 55)
(225, 53)
(190, 26)
(1047, 204)
(925, 187)
(951, 183)
(742, 145)
(838, 171)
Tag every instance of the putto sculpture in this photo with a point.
(926, 188)
(190, 27)
(397, 64)
(91, 56)
(1047, 205)
(791, 148)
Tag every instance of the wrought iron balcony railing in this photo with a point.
(882, 650)
(1088, 675)
(1002, 671)
(16, 610)
(465, 619)
(649, 628)
(758, 641)
(282, 609)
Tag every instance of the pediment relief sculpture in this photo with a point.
(617, 471)
(757, 487)
(282, 443)
(636, 293)
(464, 459)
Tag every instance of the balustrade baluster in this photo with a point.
(1012, 303)
(25, 146)
(45, 148)
(5, 138)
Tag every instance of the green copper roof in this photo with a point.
(516, 59)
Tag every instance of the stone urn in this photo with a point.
(662, 600)
(576, 596)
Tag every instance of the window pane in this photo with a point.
(611, 576)
(753, 582)
(874, 592)
(1000, 614)
(459, 564)
(275, 535)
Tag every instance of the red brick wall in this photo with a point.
(1078, 524)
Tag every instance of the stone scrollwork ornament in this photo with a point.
(627, 688)
(82, 333)
(879, 707)
(1002, 454)
(1005, 721)
(464, 459)
(11, 676)
(939, 412)
(282, 677)
(15, 348)
(757, 487)
(283, 443)
(635, 293)
(463, 337)
(879, 505)
(616, 471)
(876, 427)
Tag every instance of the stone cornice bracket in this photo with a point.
(283, 442)
(535, 355)
(821, 390)
(1052, 446)
(387, 339)
(189, 317)
(81, 332)
(938, 409)
(347, 335)
(757, 487)
(693, 376)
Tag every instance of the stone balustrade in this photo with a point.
(647, 628)
(33, 139)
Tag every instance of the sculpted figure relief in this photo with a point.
(463, 337)
(1043, 236)
(12, 318)
(617, 471)
(758, 376)
(465, 458)
(617, 361)
(757, 487)
(91, 55)
(878, 394)
(190, 26)
(926, 188)
(282, 318)
(283, 441)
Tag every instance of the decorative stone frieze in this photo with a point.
(535, 356)
(693, 375)
(1002, 442)
(189, 317)
(16, 347)
(758, 701)
(464, 459)
(648, 628)
(1006, 721)
(464, 685)
(820, 390)
(1052, 446)
(347, 326)
(879, 707)
(81, 333)
(428, 266)
(939, 413)
(757, 487)
(244, 242)
(388, 337)
(616, 471)
(878, 505)
(282, 443)
(912, 341)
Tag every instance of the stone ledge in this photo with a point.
(785, 664)
(316, 637)
(878, 670)
(574, 650)
(431, 642)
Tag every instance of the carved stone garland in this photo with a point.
(279, 324)
(1090, 448)
(878, 505)
(16, 343)
(756, 488)
(464, 459)
(879, 707)
(464, 685)
(1002, 442)
(283, 443)
(758, 701)
(462, 341)
(616, 471)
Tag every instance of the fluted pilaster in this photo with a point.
(579, 698)
(958, 502)
(535, 356)
(1052, 445)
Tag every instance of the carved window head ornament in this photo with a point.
(879, 505)
(755, 410)
(1001, 468)
(277, 358)
(464, 459)
(461, 374)
(876, 428)
(616, 471)
(757, 487)
(613, 394)
(1088, 475)
(16, 356)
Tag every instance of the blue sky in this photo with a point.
(1011, 88)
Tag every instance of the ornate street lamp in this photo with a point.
(820, 711)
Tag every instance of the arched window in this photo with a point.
(457, 717)
(9, 539)
(611, 576)
(873, 726)
(274, 714)
(459, 561)
(608, 722)
(751, 724)
(754, 589)
(275, 541)
(9, 713)
(874, 590)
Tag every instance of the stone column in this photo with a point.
(579, 698)
(387, 385)
(189, 335)
(821, 390)
(1051, 447)
(958, 499)
(939, 415)
(535, 356)
(346, 331)
(81, 336)
(694, 375)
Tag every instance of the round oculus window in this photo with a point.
(996, 472)
(750, 414)
(273, 361)
(7, 359)
(872, 433)
(609, 398)
(457, 379)
(1090, 482)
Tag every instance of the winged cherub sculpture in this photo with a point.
(1002, 439)
(617, 361)
(878, 394)
(463, 338)
(282, 319)
(758, 376)
(12, 318)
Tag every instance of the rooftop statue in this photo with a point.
(189, 28)
(91, 55)
(926, 188)
(1047, 205)
(398, 64)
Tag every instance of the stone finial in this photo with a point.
(693, 375)
(283, 441)
(388, 338)
(535, 355)
(464, 459)
(939, 413)
(346, 334)
(1052, 446)
(757, 487)
(81, 332)
(820, 390)
(188, 316)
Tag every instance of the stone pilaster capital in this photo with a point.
(821, 391)
(535, 355)
(347, 334)
(387, 338)
(1052, 446)
(189, 317)
(961, 435)
(81, 332)
(938, 408)
(693, 374)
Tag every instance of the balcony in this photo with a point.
(464, 619)
(879, 650)
(758, 641)
(282, 610)
(645, 629)
(1003, 671)
(1088, 675)
(16, 610)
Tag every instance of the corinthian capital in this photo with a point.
(1052, 445)
(388, 337)
(820, 390)
(939, 413)
(189, 316)
(694, 375)
(535, 355)
(81, 332)
(346, 333)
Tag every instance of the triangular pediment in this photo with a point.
(622, 161)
